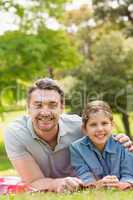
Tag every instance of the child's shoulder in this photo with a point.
(80, 141)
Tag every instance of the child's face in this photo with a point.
(99, 128)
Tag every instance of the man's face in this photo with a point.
(45, 108)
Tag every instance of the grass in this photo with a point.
(82, 195)
(5, 119)
(5, 165)
(119, 128)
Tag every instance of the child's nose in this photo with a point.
(100, 127)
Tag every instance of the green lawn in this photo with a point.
(84, 195)
(5, 165)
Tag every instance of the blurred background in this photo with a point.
(86, 45)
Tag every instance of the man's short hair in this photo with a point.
(46, 84)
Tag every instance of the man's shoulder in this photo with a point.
(70, 118)
(18, 123)
(70, 125)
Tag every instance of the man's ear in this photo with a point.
(62, 107)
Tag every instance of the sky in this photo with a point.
(7, 18)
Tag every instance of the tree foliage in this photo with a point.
(108, 75)
(23, 58)
(113, 9)
(33, 13)
(117, 12)
(34, 50)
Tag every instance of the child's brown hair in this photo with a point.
(94, 107)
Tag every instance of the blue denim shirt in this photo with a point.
(90, 165)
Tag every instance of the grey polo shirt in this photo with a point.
(21, 141)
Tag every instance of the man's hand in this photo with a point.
(125, 140)
(124, 185)
(66, 184)
(107, 181)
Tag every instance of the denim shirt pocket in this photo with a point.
(115, 166)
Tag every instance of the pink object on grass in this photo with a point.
(12, 184)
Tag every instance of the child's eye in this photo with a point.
(93, 124)
(105, 123)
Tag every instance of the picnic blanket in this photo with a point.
(12, 184)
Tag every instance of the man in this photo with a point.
(37, 145)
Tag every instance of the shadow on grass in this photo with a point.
(4, 163)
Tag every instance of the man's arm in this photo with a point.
(27, 168)
(125, 141)
(31, 174)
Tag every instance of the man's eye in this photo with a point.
(38, 106)
(53, 105)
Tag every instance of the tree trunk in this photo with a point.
(51, 72)
(125, 121)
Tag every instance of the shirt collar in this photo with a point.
(31, 129)
(86, 141)
(110, 146)
(63, 127)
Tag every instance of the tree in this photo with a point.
(34, 50)
(117, 12)
(24, 58)
(113, 9)
(34, 13)
(108, 76)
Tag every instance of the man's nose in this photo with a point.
(45, 111)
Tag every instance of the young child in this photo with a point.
(97, 158)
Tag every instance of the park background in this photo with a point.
(87, 46)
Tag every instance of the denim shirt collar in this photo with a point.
(110, 147)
